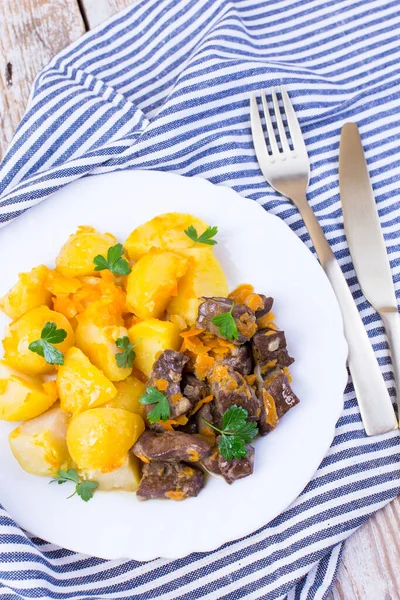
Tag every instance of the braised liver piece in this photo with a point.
(175, 481)
(269, 349)
(239, 359)
(171, 446)
(275, 396)
(230, 470)
(229, 388)
(244, 317)
(268, 302)
(167, 371)
(193, 389)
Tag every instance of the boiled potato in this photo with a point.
(76, 256)
(125, 478)
(153, 281)
(205, 277)
(97, 341)
(92, 291)
(61, 285)
(29, 292)
(23, 397)
(166, 232)
(128, 395)
(153, 336)
(40, 446)
(100, 438)
(80, 384)
(27, 329)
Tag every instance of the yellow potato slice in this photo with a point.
(126, 478)
(153, 281)
(29, 292)
(27, 329)
(98, 343)
(205, 277)
(23, 397)
(80, 384)
(128, 395)
(76, 256)
(153, 336)
(166, 232)
(100, 438)
(40, 446)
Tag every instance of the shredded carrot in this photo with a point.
(268, 366)
(287, 373)
(175, 495)
(270, 409)
(254, 301)
(161, 384)
(176, 397)
(191, 332)
(207, 435)
(203, 364)
(240, 293)
(266, 321)
(171, 423)
(246, 325)
(251, 379)
(194, 456)
(200, 403)
(194, 345)
(143, 458)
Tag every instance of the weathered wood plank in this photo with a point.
(97, 11)
(31, 33)
(370, 568)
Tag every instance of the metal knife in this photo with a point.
(365, 238)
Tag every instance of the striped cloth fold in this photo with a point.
(165, 85)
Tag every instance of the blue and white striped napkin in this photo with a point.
(165, 85)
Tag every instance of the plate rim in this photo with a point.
(246, 531)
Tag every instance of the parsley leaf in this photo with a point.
(236, 432)
(114, 261)
(84, 489)
(125, 358)
(205, 237)
(161, 410)
(49, 335)
(226, 325)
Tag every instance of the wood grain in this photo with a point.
(31, 33)
(370, 568)
(97, 11)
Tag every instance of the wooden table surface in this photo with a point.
(31, 33)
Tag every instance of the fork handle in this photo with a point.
(373, 398)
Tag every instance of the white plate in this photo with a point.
(253, 247)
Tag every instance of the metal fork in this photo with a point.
(288, 172)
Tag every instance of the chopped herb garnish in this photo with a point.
(205, 237)
(226, 325)
(44, 347)
(114, 261)
(236, 432)
(126, 357)
(84, 489)
(161, 410)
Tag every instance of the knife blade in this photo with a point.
(365, 238)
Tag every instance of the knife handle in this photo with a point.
(373, 398)
(391, 321)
